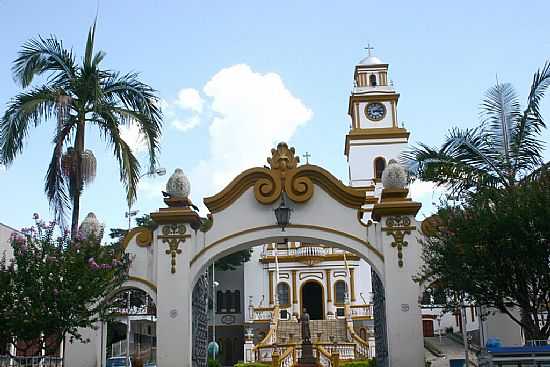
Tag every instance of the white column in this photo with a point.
(403, 314)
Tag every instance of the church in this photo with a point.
(315, 276)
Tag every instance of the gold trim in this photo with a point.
(329, 295)
(303, 226)
(143, 281)
(271, 299)
(395, 208)
(176, 215)
(381, 96)
(398, 227)
(311, 259)
(294, 298)
(144, 237)
(375, 133)
(352, 283)
(173, 234)
(285, 176)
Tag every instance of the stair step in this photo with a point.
(325, 329)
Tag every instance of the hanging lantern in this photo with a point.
(282, 213)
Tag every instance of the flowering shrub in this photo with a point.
(55, 285)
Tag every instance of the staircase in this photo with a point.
(290, 331)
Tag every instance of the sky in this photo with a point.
(236, 77)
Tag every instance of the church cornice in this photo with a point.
(375, 133)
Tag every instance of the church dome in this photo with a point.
(371, 60)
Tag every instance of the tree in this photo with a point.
(58, 284)
(78, 96)
(505, 148)
(494, 250)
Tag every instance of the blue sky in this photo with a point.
(238, 76)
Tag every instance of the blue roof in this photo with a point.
(523, 349)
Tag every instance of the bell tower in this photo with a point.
(375, 136)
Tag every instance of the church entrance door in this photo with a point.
(312, 300)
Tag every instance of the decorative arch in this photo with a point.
(318, 283)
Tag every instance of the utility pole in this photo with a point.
(464, 335)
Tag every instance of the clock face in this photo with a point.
(375, 111)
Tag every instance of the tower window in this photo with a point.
(372, 80)
(379, 167)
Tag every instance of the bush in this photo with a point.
(214, 363)
(362, 363)
(252, 364)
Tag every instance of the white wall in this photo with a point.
(5, 246)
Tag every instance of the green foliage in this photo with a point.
(494, 250)
(57, 284)
(362, 363)
(505, 148)
(252, 364)
(77, 96)
(214, 363)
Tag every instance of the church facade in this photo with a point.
(316, 277)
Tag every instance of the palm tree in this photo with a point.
(503, 150)
(78, 96)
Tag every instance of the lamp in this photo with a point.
(282, 213)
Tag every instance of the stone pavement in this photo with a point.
(450, 348)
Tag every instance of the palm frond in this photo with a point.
(499, 111)
(26, 108)
(140, 98)
(463, 162)
(55, 185)
(88, 53)
(525, 144)
(128, 163)
(43, 55)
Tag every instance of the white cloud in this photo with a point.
(184, 125)
(427, 193)
(184, 113)
(252, 112)
(134, 138)
(190, 99)
(151, 188)
(2, 168)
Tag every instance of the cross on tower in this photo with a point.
(307, 156)
(369, 48)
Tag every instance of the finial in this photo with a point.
(177, 191)
(307, 156)
(369, 48)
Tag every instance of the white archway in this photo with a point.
(324, 211)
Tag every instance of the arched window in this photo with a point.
(379, 167)
(340, 290)
(372, 79)
(283, 293)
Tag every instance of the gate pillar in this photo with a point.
(173, 237)
(398, 234)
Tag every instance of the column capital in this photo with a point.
(395, 202)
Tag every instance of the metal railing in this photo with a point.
(38, 361)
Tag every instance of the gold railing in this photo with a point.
(271, 337)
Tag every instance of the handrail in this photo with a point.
(271, 334)
(362, 345)
(287, 358)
